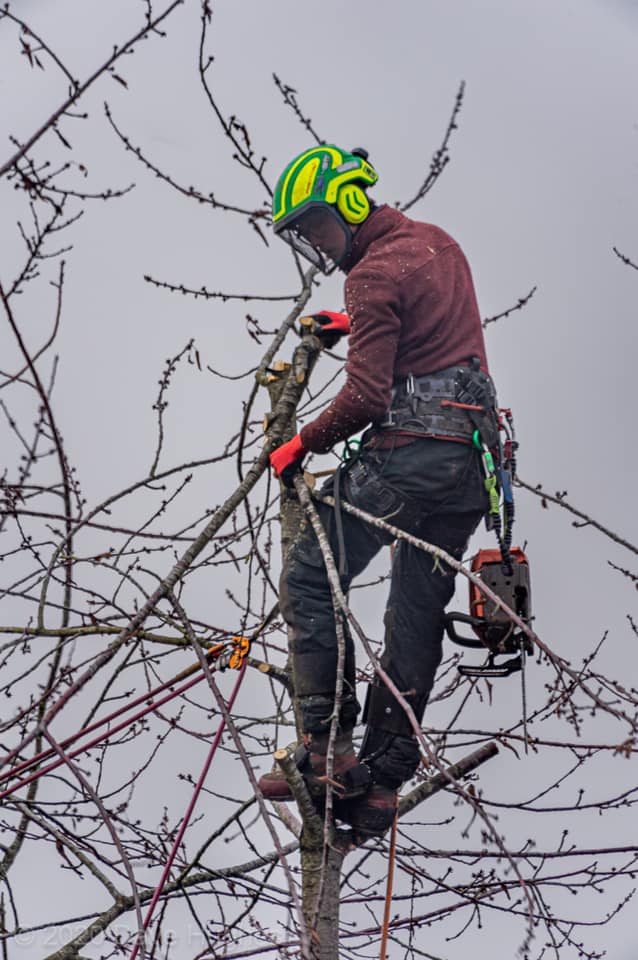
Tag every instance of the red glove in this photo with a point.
(337, 322)
(331, 326)
(286, 460)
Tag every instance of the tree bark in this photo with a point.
(321, 878)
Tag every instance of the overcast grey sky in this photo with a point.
(541, 185)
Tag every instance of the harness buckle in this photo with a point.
(410, 390)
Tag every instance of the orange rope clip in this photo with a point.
(239, 654)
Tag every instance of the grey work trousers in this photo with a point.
(431, 488)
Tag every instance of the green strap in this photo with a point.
(492, 491)
(491, 484)
(351, 448)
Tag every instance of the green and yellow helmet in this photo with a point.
(318, 196)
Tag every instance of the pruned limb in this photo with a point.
(312, 824)
(271, 670)
(442, 780)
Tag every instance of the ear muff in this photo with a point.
(352, 203)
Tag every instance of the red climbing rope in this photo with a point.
(189, 811)
(232, 656)
(388, 890)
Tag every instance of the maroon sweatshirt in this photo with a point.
(412, 308)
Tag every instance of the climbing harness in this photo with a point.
(450, 403)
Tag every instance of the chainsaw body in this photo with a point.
(492, 627)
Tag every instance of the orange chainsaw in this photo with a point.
(492, 627)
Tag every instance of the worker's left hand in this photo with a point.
(331, 326)
(286, 460)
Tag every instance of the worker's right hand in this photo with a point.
(330, 326)
(330, 322)
(286, 460)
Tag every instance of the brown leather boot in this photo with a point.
(310, 757)
(370, 815)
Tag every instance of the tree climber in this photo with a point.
(417, 378)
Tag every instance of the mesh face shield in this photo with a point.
(319, 234)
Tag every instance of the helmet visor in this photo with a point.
(320, 235)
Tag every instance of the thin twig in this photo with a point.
(80, 88)
(625, 259)
(517, 306)
(441, 157)
(290, 99)
(560, 501)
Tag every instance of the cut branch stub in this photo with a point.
(312, 823)
(447, 777)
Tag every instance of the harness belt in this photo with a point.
(453, 402)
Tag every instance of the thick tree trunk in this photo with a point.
(322, 924)
(290, 510)
(320, 878)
